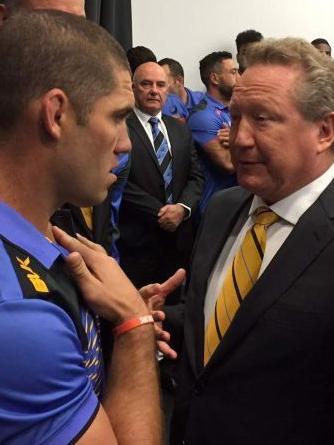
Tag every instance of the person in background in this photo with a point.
(138, 55)
(163, 188)
(323, 46)
(210, 122)
(180, 99)
(245, 40)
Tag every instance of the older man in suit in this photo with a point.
(258, 363)
(163, 188)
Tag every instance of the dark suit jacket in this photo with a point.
(271, 380)
(71, 219)
(144, 194)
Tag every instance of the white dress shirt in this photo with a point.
(144, 120)
(289, 209)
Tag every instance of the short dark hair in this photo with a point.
(210, 63)
(320, 41)
(174, 66)
(138, 55)
(41, 50)
(249, 36)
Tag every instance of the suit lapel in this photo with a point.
(222, 215)
(311, 235)
(135, 125)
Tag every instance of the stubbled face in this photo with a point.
(274, 149)
(227, 77)
(91, 151)
(324, 49)
(172, 82)
(150, 87)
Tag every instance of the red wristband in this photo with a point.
(133, 323)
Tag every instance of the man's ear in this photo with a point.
(214, 78)
(326, 133)
(54, 106)
(3, 13)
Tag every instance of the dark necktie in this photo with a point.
(164, 157)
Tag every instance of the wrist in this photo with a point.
(132, 323)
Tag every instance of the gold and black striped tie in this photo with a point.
(239, 280)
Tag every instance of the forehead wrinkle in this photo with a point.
(266, 90)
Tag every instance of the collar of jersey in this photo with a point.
(217, 104)
(22, 233)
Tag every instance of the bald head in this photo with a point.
(147, 69)
(7, 7)
(150, 87)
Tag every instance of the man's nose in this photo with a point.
(241, 133)
(124, 144)
(154, 89)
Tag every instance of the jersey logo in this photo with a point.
(33, 277)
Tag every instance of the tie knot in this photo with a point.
(153, 121)
(265, 216)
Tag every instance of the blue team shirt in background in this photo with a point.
(204, 121)
(176, 108)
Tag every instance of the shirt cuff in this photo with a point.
(187, 214)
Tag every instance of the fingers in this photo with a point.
(173, 282)
(67, 241)
(91, 244)
(163, 210)
(71, 243)
(166, 350)
(158, 315)
(149, 290)
(80, 272)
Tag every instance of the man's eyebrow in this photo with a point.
(124, 111)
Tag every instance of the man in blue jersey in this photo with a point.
(210, 121)
(59, 140)
(180, 99)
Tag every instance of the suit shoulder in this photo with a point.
(132, 119)
(174, 125)
(228, 198)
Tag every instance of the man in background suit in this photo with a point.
(155, 219)
(267, 375)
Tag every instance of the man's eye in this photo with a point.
(261, 117)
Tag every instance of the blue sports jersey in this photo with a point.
(176, 108)
(205, 119)
(51, 370)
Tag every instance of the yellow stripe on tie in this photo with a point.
(239, 280)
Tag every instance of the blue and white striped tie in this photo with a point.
(164, 157)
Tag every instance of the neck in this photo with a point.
(27, 191)
(183, 95)
(216, 94)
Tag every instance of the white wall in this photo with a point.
(187, 30)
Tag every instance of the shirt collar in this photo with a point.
(144, 117)
(22, 233)
(295, 205)
(218, 104)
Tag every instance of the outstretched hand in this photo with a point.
(155, 297)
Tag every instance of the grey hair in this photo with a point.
(315, 92)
